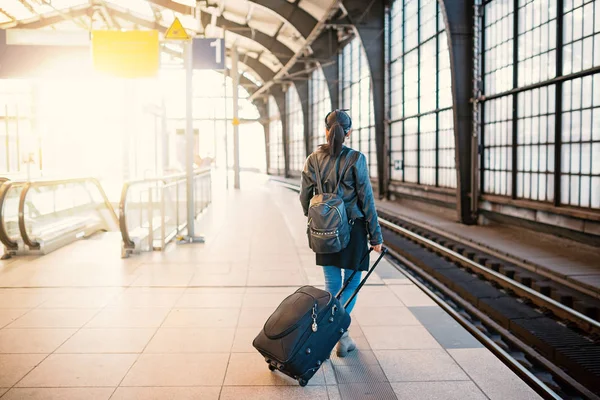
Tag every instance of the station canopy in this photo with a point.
(267, 33)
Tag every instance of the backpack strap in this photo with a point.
(319, 183)
(343, 172)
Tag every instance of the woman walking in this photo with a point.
(346, 170)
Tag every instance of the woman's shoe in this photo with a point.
(345, 345)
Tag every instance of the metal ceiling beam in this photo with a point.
(249, 13)
(28, 7)
(66, 16)
(9, 16)
(279, 50)
(314, 34)
(292, 13)
(265, 73)
(135, 19)
(47, 19)
(107, 16)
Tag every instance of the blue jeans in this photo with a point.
(333, 283)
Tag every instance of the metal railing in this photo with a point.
(42, 216)
(152, 212)
(10, 192)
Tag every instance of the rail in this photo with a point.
(42, 216)
(152, 212)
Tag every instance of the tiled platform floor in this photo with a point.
(81, 323)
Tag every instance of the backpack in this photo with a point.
(328, 227)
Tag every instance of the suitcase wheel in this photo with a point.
(272, 368)
(302, 382)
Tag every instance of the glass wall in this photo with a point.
(357, 96)
(276, 155)
(320, 105)
(541, 137)
(295, 120)
(422, 147)
(16, 139)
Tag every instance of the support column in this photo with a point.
(458, 18)
(370, 25)
(190, 145)
(164, 134)
(267, 128)
(236, 122)
(279, 96)
(127, 132)
(303, 93)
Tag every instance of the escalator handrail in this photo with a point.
(165, 180)
(34, 245)
(4, 238)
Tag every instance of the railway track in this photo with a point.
(547, 332)
(554, 356)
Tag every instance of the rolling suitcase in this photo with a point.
(300, 335)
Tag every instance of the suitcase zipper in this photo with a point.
(314, 318)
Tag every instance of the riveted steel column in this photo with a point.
(458, 18)
(279, 96)
(369, 21)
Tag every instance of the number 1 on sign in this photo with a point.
(217, 45)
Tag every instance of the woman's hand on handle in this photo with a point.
(378, 248)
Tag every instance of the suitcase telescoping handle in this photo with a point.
(383, 252)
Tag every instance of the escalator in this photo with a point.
(41, 216)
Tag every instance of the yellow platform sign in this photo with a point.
(176, 31)
(126, 54)
(235, 122)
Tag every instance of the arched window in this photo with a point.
(422, 146)
(357, 96)
(295, 121)
(320, 105)
(541, 137)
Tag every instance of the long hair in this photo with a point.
(335, 140)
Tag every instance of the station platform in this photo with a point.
(82, 323)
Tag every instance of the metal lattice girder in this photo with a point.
(458, 18)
